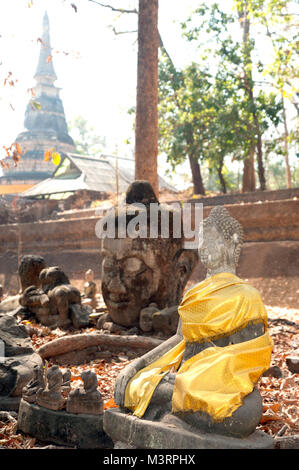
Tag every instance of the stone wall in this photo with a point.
(271, 248)
(255, 196)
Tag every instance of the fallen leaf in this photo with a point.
(110, 404)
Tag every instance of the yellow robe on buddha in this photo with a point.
(218, 378)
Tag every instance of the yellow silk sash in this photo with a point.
(216, 379)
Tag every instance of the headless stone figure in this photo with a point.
(86, 399)
(50, 397)
(35, 384)
(219, 253)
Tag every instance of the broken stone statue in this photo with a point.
(17, 361)
(198, 388)
(137, 272)
(36, 383)
(57, 302)
(29, 268)
(50, 396)
(42, 412)
(86, 399)
(90, 289)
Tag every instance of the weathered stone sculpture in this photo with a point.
(37, 303)
(57, 302)
(29, 269)
(162, 321)
(203, 378)
(86, 399)
(90, 289)
(35, 384)
(17, 365)
(66, 380)
(146, 317)
(50, 397)
(142, 270)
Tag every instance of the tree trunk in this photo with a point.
(196, 176)
(248, 183)
(146, 129)
(221, 177)
(248, 84)
(286, 145)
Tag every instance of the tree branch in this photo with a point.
(122, 10)
(122, 32)
(119, 10)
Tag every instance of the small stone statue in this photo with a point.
(66, 383)
(37, 303)
(166, 320)
(203, 378)
(86, 399)
(36, 383)
(146, 317)
(90, 289)
(50, 397)
(60, 292)
(57, 302)
(163, 322)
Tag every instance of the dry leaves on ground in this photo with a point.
(280, 395)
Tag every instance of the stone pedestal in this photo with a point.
(81, 430)
(9, 403)
(128, 431)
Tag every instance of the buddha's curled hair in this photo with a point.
(227, 225)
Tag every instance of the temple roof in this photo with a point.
(45, 122)
(78, 172)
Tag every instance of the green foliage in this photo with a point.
(215, 109)
(86, 140)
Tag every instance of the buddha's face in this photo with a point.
(213, 251)
(130, 278)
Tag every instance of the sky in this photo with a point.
(96, 69)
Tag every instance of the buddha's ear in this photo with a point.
(185, 261)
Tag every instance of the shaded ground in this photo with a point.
(280, 395)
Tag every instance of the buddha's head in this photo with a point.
(222, 241)
(89, 275)
(139, 271)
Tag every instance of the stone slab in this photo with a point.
(131, 431)
(81, 430)
(9, 403)
(10, 304)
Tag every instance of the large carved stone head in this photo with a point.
(139, 271)
(222, 241)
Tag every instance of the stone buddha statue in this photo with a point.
(139, 271)
(204, 377)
